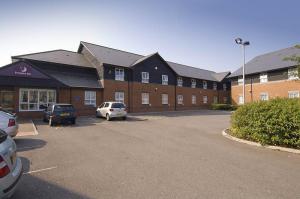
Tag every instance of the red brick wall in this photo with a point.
(274, 89)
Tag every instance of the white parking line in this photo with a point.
(39, 170)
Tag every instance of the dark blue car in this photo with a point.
(60, 113)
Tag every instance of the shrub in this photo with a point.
(274, 122)
(227, 107)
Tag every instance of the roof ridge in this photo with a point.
(111, 48)
(48, 51)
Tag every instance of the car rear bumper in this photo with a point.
(13, 178)
(12, 131)
(62, 119)
(115, 114)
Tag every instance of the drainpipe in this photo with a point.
(175, 96)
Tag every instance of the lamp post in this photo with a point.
(239, 41)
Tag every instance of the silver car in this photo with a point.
(10, 166)
(111, 110)
(8, 123)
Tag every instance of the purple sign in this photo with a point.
(21, 69)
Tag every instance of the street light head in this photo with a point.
(246, 43)
(238, 41)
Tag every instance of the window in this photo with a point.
(179, 81)
(164, 99)
(193, 83)
(240, 99)
(205, 99)
(164, 79)
(215, 85)
(90, 98)
(293, 73)
(240, 81)
(294, 94)
(263, 78)
(119, 74)
(225, 100)
(36, 99)
(145, 98)
(215, 99)
(194, 99)
(179, 99)
(119, 97)
(145, 77)
(204, 84)
(264, 96)
(224, 87)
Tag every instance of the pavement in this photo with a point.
(172, 155)
(26, 127)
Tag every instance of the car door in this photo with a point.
(104, 109)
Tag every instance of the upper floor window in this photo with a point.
(264, 96)
(164, 79)
(119, 74)
(215, 85)
(224, 87)
(263, 78)
(193, 83)
(145, 77)
(294, 94)
(90, 98)
(293, 73)
(204, 84)
(240, 81)
(179, 81)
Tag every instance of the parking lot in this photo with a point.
(171, 155)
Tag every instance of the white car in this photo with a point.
(8, 123)
(10, 166)
(111, 110)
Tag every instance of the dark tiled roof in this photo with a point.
(57, 56)
(268, 62)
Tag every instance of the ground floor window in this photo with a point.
(90, 98)
(264, 96)
(215, 99)
(36, 99)
(119, 97)
(164, 99)
(179, 99)
(240, 99)
(294, 94)
(225, 100)
(194, 99)
(145, 98)
(205, 99)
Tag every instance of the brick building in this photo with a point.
(96, 73)
(267, 76)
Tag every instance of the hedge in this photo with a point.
(274, 122)
(228, 107)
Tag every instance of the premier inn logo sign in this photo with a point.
(23, 70)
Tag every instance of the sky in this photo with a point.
(197, 33)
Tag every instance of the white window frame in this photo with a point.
(180, 99)
(204, 84)
(293, 73)
(205, 99)
(90, 98)
(194, 99)
(164, 79)
(179, 81)
(240, 81)
(38, 103)
(215, 86)
(193, 83)
(293, 94)
(224, 87)
(264, 96)
(263, 77)
(119, 74)
(120, 96)
(164, 99)
(240, 99)
(145, 98)
(145, 77)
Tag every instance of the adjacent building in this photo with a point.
(95, 74)
(267, 76)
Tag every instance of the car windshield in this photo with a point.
(117, 105)
(3, 136)
(63, 108)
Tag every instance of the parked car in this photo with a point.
(59, 113)
(111, 110)
(10, 166)
(8, 123)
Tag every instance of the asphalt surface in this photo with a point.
(175, 155)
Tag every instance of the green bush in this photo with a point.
(227, 107)
(274, 122)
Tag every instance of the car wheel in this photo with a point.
(97, 114)
(51, 123)
(107, 117)
(124, 118)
